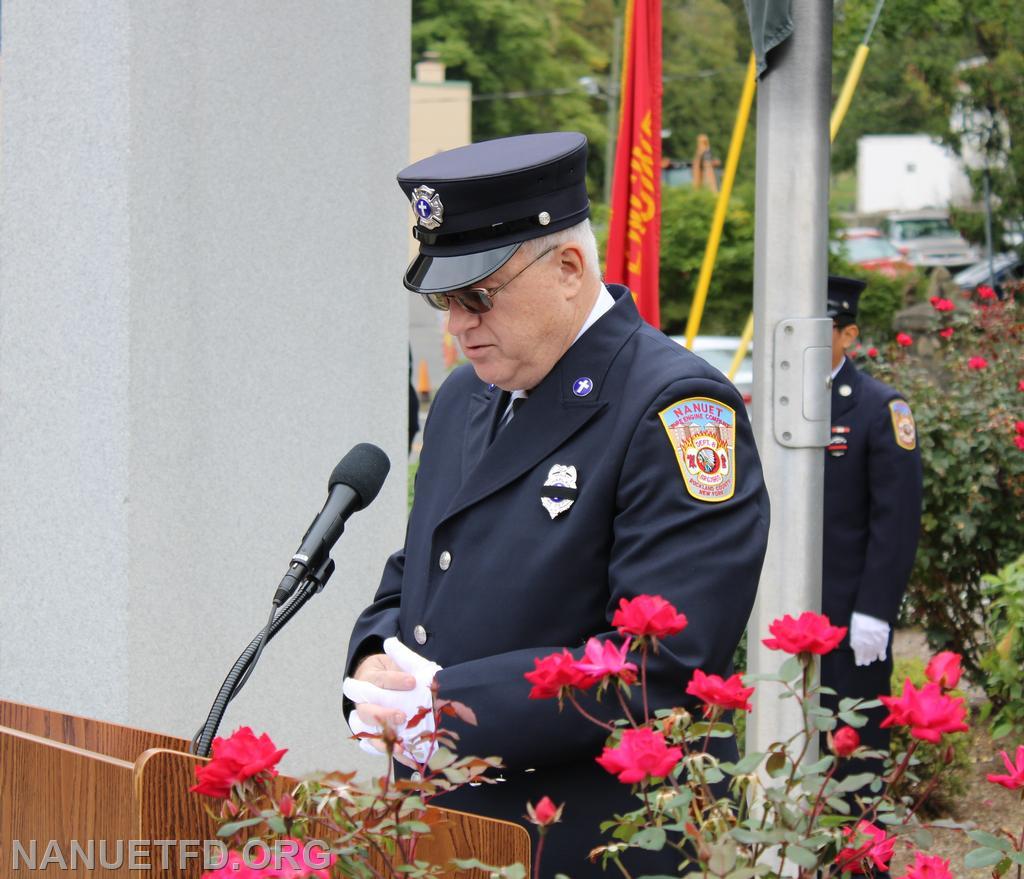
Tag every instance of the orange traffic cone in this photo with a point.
(423, 383)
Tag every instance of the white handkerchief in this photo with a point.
(409, 702)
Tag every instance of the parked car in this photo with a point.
(928, 239)
(870, 249)
(1005, 267)
(719, 351)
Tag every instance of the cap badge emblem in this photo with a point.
(582, 386)
(426, 204)
(559, 492)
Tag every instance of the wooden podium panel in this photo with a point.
(67, 779)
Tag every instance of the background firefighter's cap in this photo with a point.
(475, 205)
(843, 296)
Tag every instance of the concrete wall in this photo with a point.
(201, 247)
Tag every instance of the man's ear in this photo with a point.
(570, 266)
(850, 335)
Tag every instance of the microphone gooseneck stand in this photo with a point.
(246, 662)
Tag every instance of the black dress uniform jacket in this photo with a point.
(516, 584)
(872, 519)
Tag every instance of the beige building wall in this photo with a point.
(440, 118)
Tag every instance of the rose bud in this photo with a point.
(949, 755)
(545, 813)
(286, 806)
(845, 741)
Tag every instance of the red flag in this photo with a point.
(633, 236)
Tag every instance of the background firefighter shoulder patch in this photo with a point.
(702, 432)
(903, 425)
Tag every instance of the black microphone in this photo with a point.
(354, 483)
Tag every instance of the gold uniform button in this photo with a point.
(445, 561)
(420, 634)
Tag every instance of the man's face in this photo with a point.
(533, 322)
(842, 339)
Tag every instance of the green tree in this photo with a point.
(525, 59)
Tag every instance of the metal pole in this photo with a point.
(732, 161)
(612, 118)
(988, 224)
(792, 343)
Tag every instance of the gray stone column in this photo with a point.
(201, 247)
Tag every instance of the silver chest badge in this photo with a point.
(426, 204)
(559, 492)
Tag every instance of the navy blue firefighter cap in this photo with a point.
(843, 297)
(475, 205)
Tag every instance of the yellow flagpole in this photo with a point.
(718, 221)
(741, 351)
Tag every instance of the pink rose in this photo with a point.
(986, 292)
(904, 340)
(1015, 768)
(927, 867)
(928, 712)
(718, 693)
(944, 669)
(1018, 426)
(235, 759)
(977, 363)
(874, 846)
(811, 633)
(940, 304)
(947, 333)
(872, 352)
(552, 674)
(602, 659)
(545, 813)
(648, 615)
(641, 754)
(1019, 442)
(845, 741)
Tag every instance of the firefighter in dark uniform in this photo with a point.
(872, 517)
(579, 458)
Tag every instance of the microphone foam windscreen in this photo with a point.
(364, 470)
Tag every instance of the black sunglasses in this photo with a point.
(477, 300)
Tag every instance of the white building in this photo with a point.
(905, 172)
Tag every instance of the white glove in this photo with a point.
(869, 637)
(409, 702)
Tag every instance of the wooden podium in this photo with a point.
(66, 779)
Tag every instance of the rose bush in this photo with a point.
(784, 811)
(963, 381)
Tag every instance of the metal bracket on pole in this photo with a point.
(802, 368)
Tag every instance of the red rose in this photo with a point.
(944, 669)
(845, 741)
(545, 813)
(1019, 442)
(940, 304)
(552, 673)
(648, 615)
(872, 352)
(986, 292)
(295, 859)
(715, 692)
(234, 867)
(928, 712)
(1020, 385)
(1019, 427)
(811, 633)
(641, 754)
(234, 760)
(1015, 768)
(904, 340)
(927, 867)
(873, 846)
(946, 333)
(977, 363)
(602, 659)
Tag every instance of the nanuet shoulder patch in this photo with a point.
(703, 436)
(903, 426)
